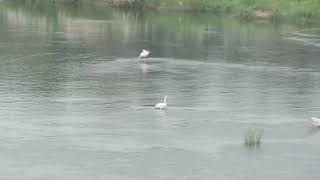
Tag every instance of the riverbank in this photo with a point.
(306, 10)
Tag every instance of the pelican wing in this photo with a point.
(160, 106)
(315, 121)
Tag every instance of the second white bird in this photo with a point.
(144, 54)
(162, 105)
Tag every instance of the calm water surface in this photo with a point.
(76, 104)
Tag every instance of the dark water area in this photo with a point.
(75, 103)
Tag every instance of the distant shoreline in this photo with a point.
(306, 10)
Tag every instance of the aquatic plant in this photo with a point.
(253, 137)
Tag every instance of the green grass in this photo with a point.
(253, 137)
(301, 9)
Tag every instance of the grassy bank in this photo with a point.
(302, 9)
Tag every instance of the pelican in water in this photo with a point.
(162, 105)
(315, 121)
(144, 54)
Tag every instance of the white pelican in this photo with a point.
(144, 54)
(315, 121)
(162, 105)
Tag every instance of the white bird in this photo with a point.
(315, 121)
(144, 54)
(162, 105)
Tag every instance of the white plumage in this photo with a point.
(162, 105)
(144, 54)
(315, 121)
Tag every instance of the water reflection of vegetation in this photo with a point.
(50, 10)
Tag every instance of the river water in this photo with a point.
(76, 104)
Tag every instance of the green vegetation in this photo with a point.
(253, 137)
(302, 9)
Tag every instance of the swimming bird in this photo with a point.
(144, 54)
(315, 121)
(162, 105)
